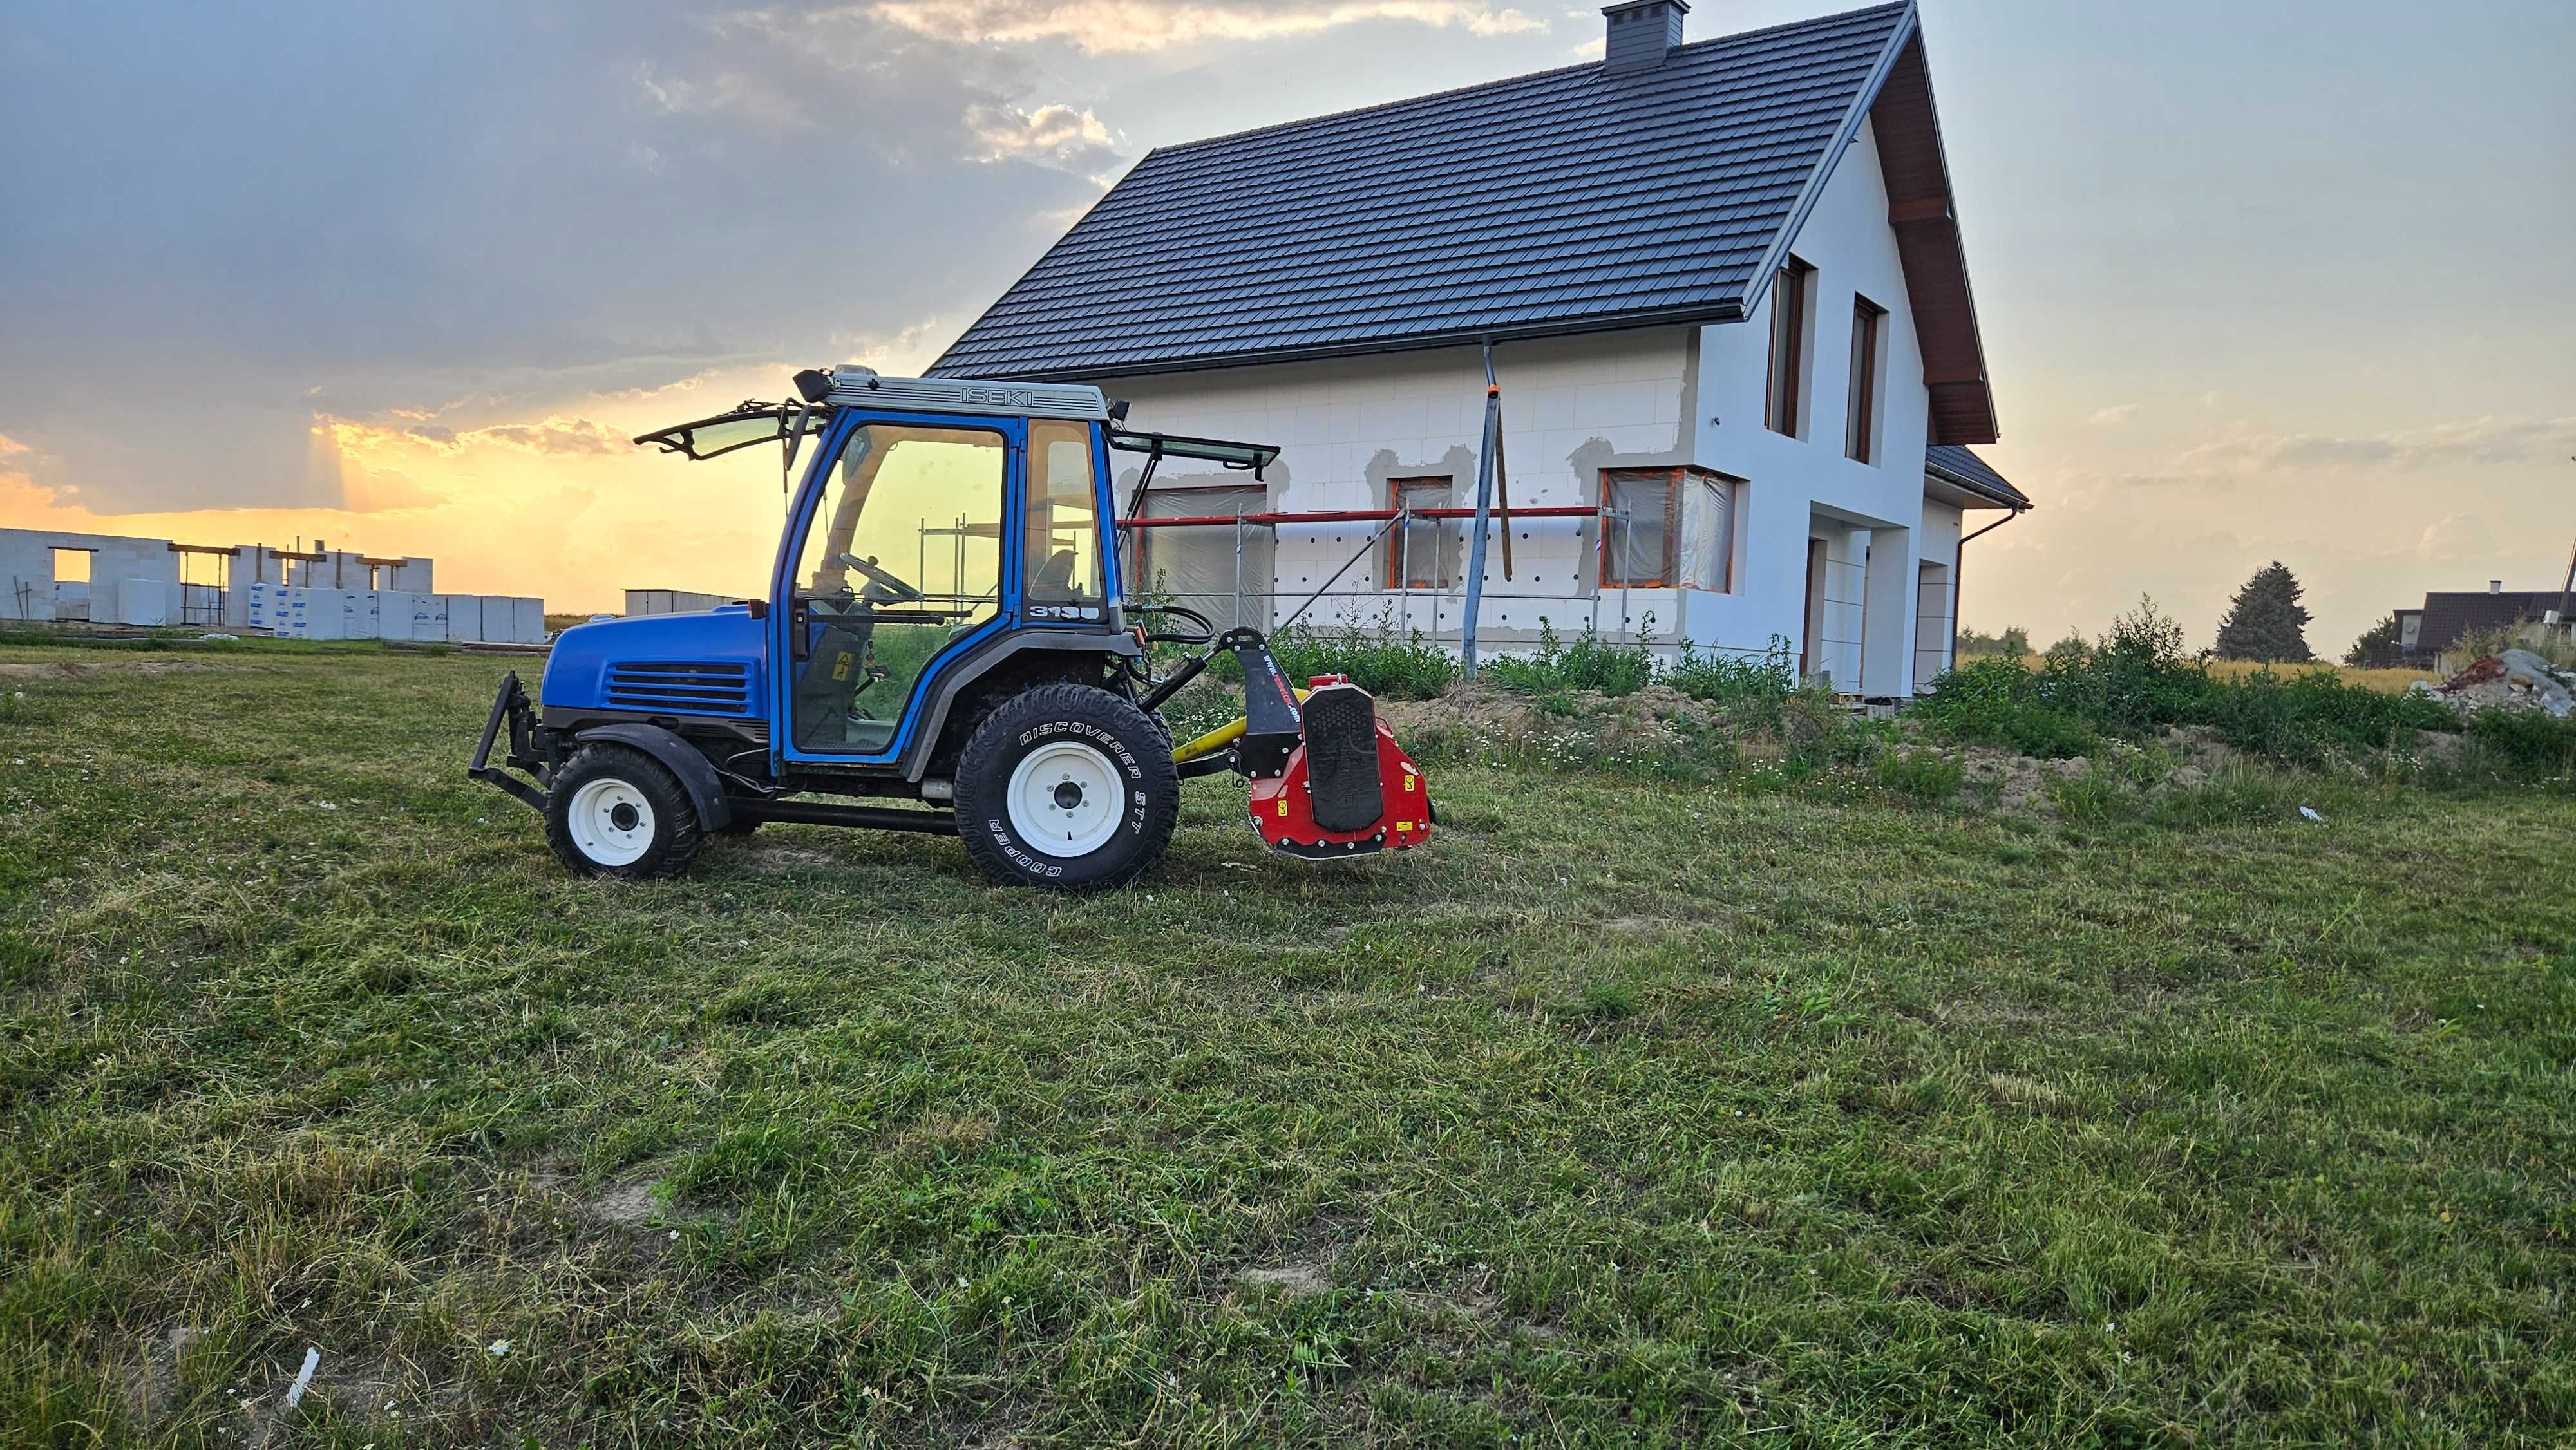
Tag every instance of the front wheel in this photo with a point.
(1066, 788)
(612, 811)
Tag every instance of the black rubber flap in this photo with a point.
(1341, 758)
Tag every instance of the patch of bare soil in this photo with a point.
(2015, 783)
(1297, 1279)
(152, 1381)
(625, 1204)
(74, 669)
(778, 856)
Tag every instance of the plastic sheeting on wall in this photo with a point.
(1708, 532)
(1222, 572)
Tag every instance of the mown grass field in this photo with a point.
(1628, 1113)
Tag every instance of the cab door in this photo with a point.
(894, 564)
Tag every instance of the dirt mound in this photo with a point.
(74, 669)
(1657, 721)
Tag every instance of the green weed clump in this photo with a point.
(1926, 777)
(1590, 663)
(2135, 682)
(1765, 679)
(1387, 664)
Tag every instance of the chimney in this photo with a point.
(2495, 586)
(1641, 33)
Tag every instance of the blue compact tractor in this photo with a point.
(943, 648)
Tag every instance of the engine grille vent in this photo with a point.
(681, 687)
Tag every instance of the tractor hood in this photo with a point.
(710, 664)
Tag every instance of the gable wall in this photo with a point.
(1574, 406)
(1804, 487)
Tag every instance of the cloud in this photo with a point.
(727, 93)
(554, 435)
(2114, 417)
(2454, 538)
(1105, 26)
(11, 445)
(1057, 134)
(2487, 441)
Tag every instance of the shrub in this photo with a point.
(2307, 717)
(1997, 702)
(2524, 742)
(2135, 681)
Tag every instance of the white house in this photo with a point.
(1728, 314)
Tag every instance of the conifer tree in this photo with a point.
(2266, 621)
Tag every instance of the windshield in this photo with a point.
(753, 422)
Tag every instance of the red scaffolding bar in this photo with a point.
(1353, 516)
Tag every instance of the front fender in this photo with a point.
(706, 792)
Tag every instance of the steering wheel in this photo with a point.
(897, 591)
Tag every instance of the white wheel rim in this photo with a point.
(611, 822)
(1066, 799)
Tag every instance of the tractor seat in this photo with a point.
(1055, 577)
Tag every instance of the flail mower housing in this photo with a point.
(943, 648)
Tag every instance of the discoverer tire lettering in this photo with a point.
(1066, 788)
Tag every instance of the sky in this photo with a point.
(2257, 279)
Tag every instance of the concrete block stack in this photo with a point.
(361, 614)
(146, 602)
(672, 601)
(465, 618)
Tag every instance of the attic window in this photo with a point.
(1860, 424)
(1789, 294)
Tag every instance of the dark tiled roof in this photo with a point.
(2448, 616)
(1566, 201)
(1957, 465)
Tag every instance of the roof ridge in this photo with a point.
(1502, 81)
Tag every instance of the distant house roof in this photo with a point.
(2448, 616)
(1973, 477)
(1572, 200)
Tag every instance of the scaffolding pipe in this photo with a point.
(1484, 513)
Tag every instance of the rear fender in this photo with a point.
(706, 792)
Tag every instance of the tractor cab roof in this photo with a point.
(823, 389)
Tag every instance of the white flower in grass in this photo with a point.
(498, 1347)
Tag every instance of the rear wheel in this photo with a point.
(1066, 788)
(612, 811)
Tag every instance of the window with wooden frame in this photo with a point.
(1789, 292)
(1421, 553)
(1666, 528)
(1860, 425)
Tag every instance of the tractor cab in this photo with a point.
(948, 553)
